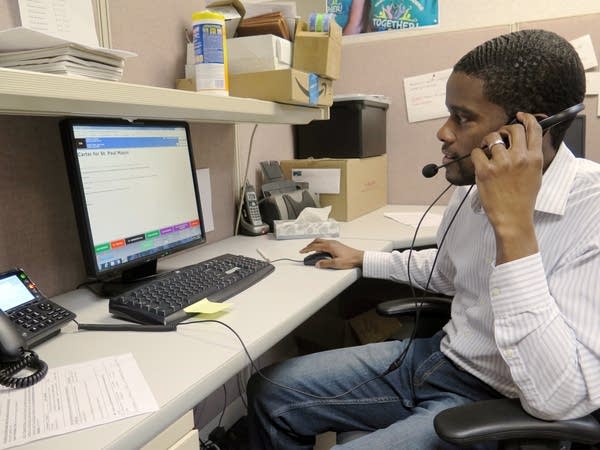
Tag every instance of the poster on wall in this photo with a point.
(365, 16)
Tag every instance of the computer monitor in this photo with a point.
(134, 192)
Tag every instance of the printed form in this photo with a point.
(74, 397)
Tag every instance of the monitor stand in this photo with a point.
(129, 279)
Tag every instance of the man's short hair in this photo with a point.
(534, 71)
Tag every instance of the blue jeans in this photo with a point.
(397, 409)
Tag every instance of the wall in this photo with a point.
(377, 63)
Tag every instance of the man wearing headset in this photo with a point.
(521, 260)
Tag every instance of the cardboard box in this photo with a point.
(232, 10)
(363, 184)
(285, 86)
(318, 52)
(258, 53)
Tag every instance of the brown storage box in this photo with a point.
(363, 184)
(285, 86)
(318, 52)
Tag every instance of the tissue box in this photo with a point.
(289, 229)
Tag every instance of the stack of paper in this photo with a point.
(69, 59)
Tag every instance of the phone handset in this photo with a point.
(251, 222)
(430, 170)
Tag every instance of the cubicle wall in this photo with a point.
(385, 63)
(383, 66)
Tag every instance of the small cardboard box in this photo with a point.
(363, 184)
(232, 10)
(318, 52)
(285, 86)
(258, 53)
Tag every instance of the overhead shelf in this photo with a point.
(33, 93)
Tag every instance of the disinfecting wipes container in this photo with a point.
(210, 53)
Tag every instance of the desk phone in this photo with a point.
(34, 317)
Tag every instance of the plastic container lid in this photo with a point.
(362, 97)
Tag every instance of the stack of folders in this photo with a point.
(69, 59)
(271, 23)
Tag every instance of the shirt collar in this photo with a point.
(556, 184)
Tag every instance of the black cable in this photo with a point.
(241, 200)
(29, 359)
(283, 386)
(418, 305)
(224, 405)
(398, 362)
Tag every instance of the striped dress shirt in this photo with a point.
(529, 328)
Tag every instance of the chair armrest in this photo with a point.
(504, 419)
(408, 306)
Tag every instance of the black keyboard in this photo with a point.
(162, 300)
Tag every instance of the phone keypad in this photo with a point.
(39, 315)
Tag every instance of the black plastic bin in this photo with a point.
(356, 129)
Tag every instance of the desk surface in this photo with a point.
(375, 225)
(184, 367)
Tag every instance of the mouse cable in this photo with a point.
(286, 259)
(418, 304)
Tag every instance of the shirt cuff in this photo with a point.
(377, 264)
(519, 286)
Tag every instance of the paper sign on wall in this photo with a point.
(72, 20)
(585, 49)
(426, 96)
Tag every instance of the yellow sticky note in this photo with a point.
(205, 306)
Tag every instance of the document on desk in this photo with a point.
(74, 397)
(412, 218)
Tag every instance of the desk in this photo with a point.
(184, 367)
(375, 226)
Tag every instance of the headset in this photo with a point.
(430, 170)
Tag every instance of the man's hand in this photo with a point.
(508, 181)
(343, 257)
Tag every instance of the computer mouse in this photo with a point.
(315, 257)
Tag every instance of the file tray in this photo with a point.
(289, 229)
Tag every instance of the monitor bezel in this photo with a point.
(79, 202)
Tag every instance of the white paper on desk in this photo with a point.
(426, 96)
(74, 397)
(22, 38)
(412, 218)
(585, 49)
(203, 180)
(321, 181)
(72, 20)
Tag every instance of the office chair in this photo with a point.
(501, 420)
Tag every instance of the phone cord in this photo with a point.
(29, 360)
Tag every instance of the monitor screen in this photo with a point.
(134, 191)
